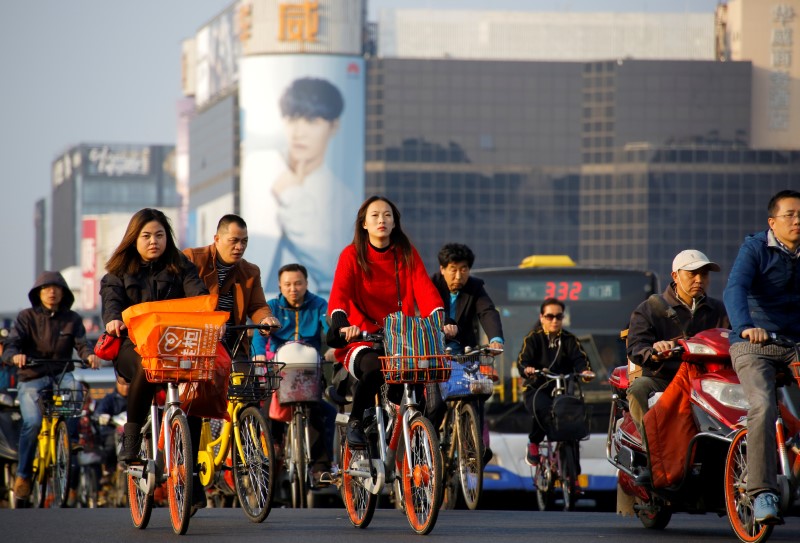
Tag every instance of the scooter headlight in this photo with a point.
(699, 348)
(728, 394)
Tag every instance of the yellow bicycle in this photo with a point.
(51, 465)
(249, 456)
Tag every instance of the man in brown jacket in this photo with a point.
(237, 282)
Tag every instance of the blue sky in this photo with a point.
(109, 71)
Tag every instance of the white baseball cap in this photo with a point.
(692, 259)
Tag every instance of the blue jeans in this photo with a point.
(28, 396)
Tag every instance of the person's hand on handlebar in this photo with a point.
(450, 331)
(661, 348)
(115, 328)
(587, 375)
(269, 321)
(497, 346)
(349, 333)
(756, 335)
(19, 360)
(94, 361)
(530, 371)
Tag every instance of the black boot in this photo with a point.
(355, 435)
(131, 443)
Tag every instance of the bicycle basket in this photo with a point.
(65, 402)
(173, 369)
(177, 346)
(253, 381)
(301, 373)
(398, 369)
(795, 368)
(467, 380)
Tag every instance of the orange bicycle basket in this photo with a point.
(398, 369)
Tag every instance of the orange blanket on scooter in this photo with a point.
(670, 427)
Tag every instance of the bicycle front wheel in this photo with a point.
(359, 501)
(254, 469)
(470, 458)
(568, 452)
(297, 464)
(140, 503)
(61, 467)
(179, 474)
(422, 478)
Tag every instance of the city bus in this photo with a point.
(599, 303)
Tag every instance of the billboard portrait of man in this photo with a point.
(302, 161)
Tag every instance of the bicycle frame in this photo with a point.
(152, 474)
(224, 442)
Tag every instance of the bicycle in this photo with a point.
(166, 451)
(302, 389)
(416, 467)
(250, 455)
(53, 461)
(461, 433)
(559, 454)
(738, 504)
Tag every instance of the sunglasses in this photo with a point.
(550, 316)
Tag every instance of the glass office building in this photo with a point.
(621, 163)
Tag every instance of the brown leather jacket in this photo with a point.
(245, 279)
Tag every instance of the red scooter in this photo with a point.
(716, 406)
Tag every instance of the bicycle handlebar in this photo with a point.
(35, 362)
(237, 327)
(586, 375)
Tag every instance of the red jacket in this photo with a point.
(366, 300)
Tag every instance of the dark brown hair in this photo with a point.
(126, 258)
(397, 238)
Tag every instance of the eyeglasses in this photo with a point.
(550, 316)
(789, 216)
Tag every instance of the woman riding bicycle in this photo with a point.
(146, 266)
(49, 329)
(378, 274)
(547, 346)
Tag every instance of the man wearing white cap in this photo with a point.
(652, 331)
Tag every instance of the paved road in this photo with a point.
(389, 525)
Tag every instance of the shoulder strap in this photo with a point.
(658, 305)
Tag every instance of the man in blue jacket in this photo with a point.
(763, 297)
(301, 315)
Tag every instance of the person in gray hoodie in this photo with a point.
(48, 330)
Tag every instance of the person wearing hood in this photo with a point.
(49, 330)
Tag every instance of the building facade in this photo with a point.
(94, 180)
(616, 157)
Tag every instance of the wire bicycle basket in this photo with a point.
(66, 402)
(400, 369)
(254, 381)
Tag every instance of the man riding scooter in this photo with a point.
(653, 330)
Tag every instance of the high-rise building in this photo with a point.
(522, 133)
(90, 180)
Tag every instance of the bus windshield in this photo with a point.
(599, 303)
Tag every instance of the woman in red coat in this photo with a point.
(378, 274)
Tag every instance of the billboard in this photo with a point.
(302, 160)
